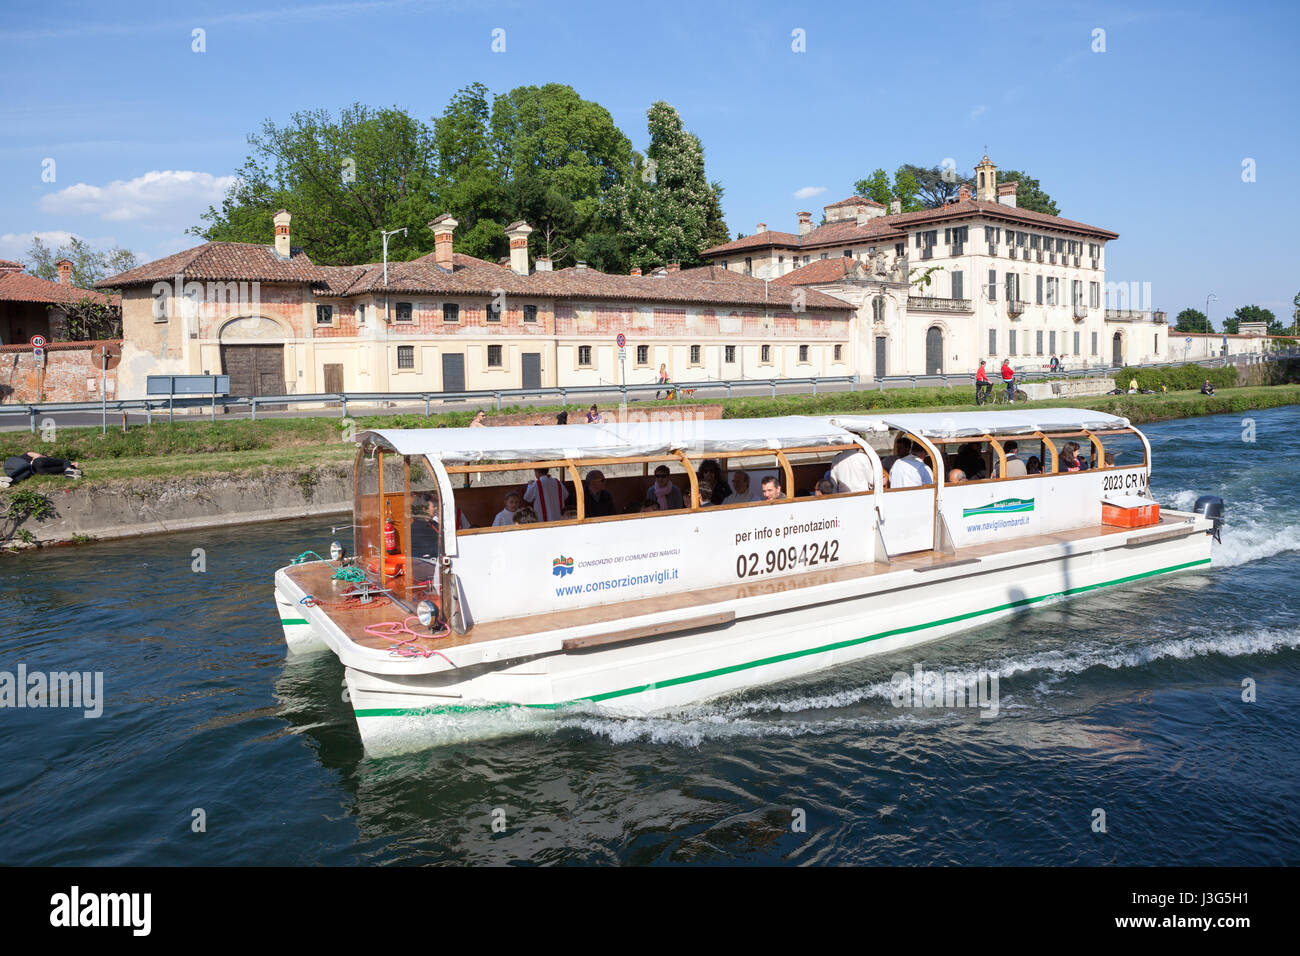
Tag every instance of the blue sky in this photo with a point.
(1147, 138)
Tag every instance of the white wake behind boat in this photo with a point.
(447, 616)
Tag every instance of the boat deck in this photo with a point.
(353, 619)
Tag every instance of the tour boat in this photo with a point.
(441, 615)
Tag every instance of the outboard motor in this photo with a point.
(1211, 506)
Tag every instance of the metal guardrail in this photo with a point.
(169, 403)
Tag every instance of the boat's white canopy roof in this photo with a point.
(964, 424)
(621, 439)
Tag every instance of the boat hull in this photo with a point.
(775, 638)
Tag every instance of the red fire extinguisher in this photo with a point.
(390, 532)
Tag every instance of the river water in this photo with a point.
(211, 749)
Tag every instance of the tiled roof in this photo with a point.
(854, 201)
(21, 287)
(221, 261)
(10, 264)
(469, 276)
(891, 228)
(830, 269)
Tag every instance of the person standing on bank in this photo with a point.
(1009, 379)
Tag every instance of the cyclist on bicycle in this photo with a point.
(1009, 379)
(983, 387)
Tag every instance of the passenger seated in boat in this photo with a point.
(1015, 467)
(1034, 466)
(908, 471)
(507, 514)
(424, 527)
(902, 445)
(710, 469)
(740, 489)
(824, 487)
(525, 515)
(970, 461)
(663, 493)
(956, 476)
(1070, 457)
(706, 492)
(647, 506)
(851, 471)
(599, 502)
(772, 489)
(546, 495)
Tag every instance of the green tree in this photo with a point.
(469, 181)
(1192, 320)
(1252, 313)
(1029, 194)
(666, 208)
(875, 187)
(89, 264)
(934, 186)
(344, 180)
(88, 319)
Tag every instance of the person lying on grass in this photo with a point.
(31, 463)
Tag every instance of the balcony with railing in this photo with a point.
(1080, 310)
(1127, 315)
(934, 303)
(1015, 307)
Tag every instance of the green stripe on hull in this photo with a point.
(733, 668)
(294, 620)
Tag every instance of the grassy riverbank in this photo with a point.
(160, 451)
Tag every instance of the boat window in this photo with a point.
(1121, 449)
(891, 447)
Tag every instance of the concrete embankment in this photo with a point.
(120, 509)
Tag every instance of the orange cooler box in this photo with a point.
(1129, 511)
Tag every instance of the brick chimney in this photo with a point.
(963, 192)
(1007, 193)
(281, 220)
(65, 271)
(443, 227)
(674, 266)
(636, 271)
(761, 227)
(805, 223)
(895, 207)
(542, 264)
(517, 233)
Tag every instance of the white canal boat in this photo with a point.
(447, 615)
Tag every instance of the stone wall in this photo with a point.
(68, 375)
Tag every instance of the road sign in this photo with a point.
(38, 341)
(105, 356)
(622, 355)
(1189, 340)
(621, 339)
(39, 354)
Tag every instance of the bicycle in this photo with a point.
(1001, 398)
(983, 393)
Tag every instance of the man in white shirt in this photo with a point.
(546, 496)
(740, 493)
(851, 471)
(1015, 467)
(909, 471)
(506, 516)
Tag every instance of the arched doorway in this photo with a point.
(252, 354)
(934, 351)
(1117, 358)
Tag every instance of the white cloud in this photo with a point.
(807, 192)
(979, 111)
(160, 198)
(14, 245)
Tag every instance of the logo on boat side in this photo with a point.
(1006, 506)
(561, 566)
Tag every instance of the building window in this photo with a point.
(993, 285)
(807, 259)
(900, 248)
(643, 355)
(406, 356)
(584, 354)
(803, 353)
(361, 313)
(749, 265)
(1156, 347)
(1094, 295)
(993, 342)
(730, 354)
(839, 353)
(826, 255)
(957, 286)
(1094, 343)
(1011, 346)
(494, 356)
(848, 253)
(695, 355)
(450, 312)
(1039, 290)
(878, 309)
(1076, 343)
(324, 315)
(530, 313)
(1051, 338)
(403, 312)
(1039, 336)
(766, 355)
(494, 312)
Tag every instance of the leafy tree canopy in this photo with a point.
(920, 187)
(89, 264)
(1192, 320)
(1252, 313)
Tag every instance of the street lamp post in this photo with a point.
(386, 233)
(1208, 326)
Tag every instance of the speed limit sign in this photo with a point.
(38, 341)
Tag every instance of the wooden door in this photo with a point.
(934, 351)
(532, 369)
(254, 370)
(453, 372)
